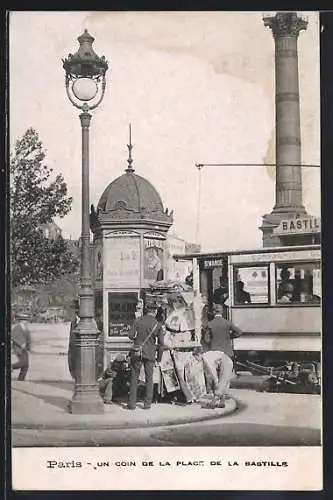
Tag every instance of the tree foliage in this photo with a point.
(35, 199)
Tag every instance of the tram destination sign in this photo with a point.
(298, 226)
(209, 263)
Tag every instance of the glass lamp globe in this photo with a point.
(84, 89)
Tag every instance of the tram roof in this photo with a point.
(225, 253)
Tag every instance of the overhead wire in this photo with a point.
(200, 166)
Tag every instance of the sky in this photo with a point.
(197, 87)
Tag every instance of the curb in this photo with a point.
(231, 406)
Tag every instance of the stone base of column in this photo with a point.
(271, 221)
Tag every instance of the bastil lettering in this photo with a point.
(311, 224)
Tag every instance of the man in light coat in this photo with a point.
(218, 358)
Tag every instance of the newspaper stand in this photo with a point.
(181, 367)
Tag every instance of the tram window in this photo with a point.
(298, 283)
(251, 285)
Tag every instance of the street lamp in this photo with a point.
(85, 87)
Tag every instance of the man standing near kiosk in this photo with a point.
(144, 333)
(218, 358)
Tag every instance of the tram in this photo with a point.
(272, 294)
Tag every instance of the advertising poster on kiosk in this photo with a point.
(122, 307)
(177, 157)
(121, 260)
(153, 259)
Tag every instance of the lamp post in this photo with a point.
(85, 87)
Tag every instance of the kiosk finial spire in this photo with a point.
(130, 147)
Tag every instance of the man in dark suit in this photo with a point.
(241, 296)
(21, 344)
(221, 295)
(218, 358)
(142, 328)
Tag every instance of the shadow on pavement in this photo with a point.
(60, 402)
(60, 384)
(222, 435)
(238, 434)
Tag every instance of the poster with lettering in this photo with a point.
(168, 373)
(122, 308)
(194, 377)
(173, 155)
(153, 263)
(122, 262)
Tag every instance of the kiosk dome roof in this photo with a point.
(131, 197)
(131, 192)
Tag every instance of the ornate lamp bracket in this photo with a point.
(85, 75)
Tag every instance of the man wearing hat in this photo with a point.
(21, 344)
(218, 357)
(144, 332)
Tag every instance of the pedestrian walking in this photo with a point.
(21, 345)
(145, 331)
(218, 355)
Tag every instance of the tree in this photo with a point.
(35, 199)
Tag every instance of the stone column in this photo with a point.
(285, 27)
